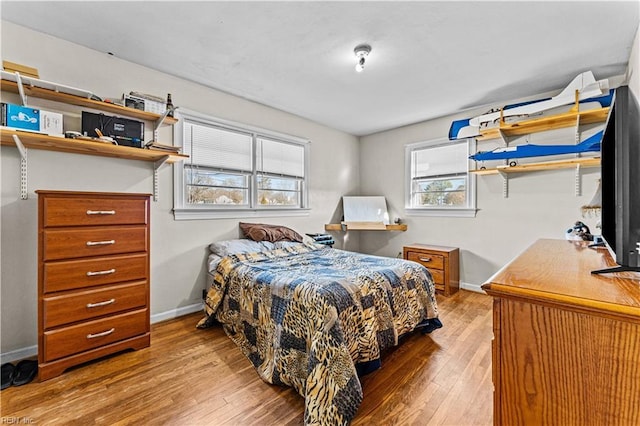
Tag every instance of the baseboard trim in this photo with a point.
(32, 351)
(472, 287)
(19, 354)
(175, 313)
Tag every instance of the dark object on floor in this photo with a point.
(26, 371)
(8, 371)
(427, 326)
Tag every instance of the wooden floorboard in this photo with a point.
(199, 377)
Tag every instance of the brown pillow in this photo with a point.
(273, 233)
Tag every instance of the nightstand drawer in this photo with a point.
(73, 211)
(84, 305)
(438, 276)
(72, 274)
(99, 241)
(431, 261)
(78, 338)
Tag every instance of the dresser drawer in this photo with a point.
(72, 274)
(88, 304)
(431, 261)
(78, 338)
(99, 241)
(71, 211)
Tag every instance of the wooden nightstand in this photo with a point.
(443, 263)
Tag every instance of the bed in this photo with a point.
(315, 318)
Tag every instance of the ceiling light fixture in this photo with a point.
(361, 51)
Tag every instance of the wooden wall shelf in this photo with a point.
(52, 95)
(545, 165)
(53, 143)
(552, 122)
(344, 227)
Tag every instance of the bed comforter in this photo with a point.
(313, 317)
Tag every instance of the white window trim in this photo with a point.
(438, 211)
(182, 211)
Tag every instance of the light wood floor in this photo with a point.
(199, 377)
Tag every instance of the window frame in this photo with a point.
(469, 210)
(184, 211)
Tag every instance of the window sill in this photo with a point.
(435, 212)
(207, 213)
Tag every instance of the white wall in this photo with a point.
(178, 248)
(540, 204)
(633, 69)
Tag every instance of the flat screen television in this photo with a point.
(620, 212)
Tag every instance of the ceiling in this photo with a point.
(428, 58)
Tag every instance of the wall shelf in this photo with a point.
(26, 140)
(545, 165)
(568, 119)
(345, 227)
(75, 146)
(52, 95)
(506, 170)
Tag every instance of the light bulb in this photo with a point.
(361, 52)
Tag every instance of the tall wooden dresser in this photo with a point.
(566, 348)
(93, 277)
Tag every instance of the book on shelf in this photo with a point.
(162, 147)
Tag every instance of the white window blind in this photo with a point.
(235, 170)
(279, 158)
(438, 179)
(440, 160)
(216, 147)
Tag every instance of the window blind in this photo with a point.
(217, 147)
(279, 158)
(440, 161)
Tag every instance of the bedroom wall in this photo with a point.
(540, 204)
(178, 248)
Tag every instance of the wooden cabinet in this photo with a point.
(566, 346)
(93, 276)
(443, 263)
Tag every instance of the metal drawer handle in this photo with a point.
(425, 259)
(104, 333)
(107, 272)
(101, 212)
(98, 304)
(100, 243)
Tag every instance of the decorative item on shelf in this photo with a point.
(582, 91)
(145, 102)
(170, 107)
(162, 147)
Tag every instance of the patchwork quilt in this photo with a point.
(313, 317)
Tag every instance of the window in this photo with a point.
(235, 170)
(438, 178)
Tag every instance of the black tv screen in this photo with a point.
(621, 182)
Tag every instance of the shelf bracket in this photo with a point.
(156, 165)
(23, 97)
(159, 122)
(505, 184)
(23, 167)
(578, 186)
